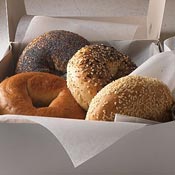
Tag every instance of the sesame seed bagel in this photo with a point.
(38, 94)
(93, 67)
(136, 96)
(50, 52)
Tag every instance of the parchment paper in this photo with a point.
(117, 35)
(169, 44)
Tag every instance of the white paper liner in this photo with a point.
(169, 44)
(107, 32)
(83, 139)
(160, 66)
(91, 30)
(125, 118)
(138, 50)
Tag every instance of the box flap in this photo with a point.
(133, 12)
(86, 8)
(155, 18)
(147, 151)
(100, 135)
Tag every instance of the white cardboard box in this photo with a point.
(85, 147)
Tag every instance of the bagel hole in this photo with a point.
(42, 90)
(40, 104)
(39, 101)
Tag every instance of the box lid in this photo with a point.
(145, 16)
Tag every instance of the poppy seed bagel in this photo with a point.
(50, 52)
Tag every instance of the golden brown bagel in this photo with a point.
(135, 96)
(50, 52)
(40, 94)
(93, 67)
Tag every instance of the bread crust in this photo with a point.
(38, 94)
(135, 96)
(93, 67)
(50, 52)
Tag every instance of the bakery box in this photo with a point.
(36, 145)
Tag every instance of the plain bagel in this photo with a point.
(93, 67)
(136, 96)
(38, 94)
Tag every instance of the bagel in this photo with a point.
(38, 94)
(93, 67)
(136, 96)
(50, 52)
